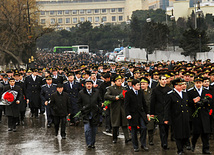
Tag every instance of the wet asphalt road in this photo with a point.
(34, 138)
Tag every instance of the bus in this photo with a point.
(71, 49)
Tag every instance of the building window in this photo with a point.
(53, 21)
(74, 20)
(82, 12)
(97, 19)
(74, 12)
(113, 18)
(42, 13)
(104, 10)
(113, 10)
(59, 20)
(89, 11)
(59, 12)
(82, 19)
(67, 20)
(120, 18)
(42, 21)
(120, 9)
(67, 12)
(104, 19)
(52, 12)
(96, 11)
(90, 19)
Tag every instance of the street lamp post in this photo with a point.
(148, 20)
(199, 12)
(173, 27)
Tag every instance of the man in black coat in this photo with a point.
(136, 111)
(89, 102)
(60, 105)
(102, 90)
(158, 98)
(72, 87)
(176, 111)
(12, 110)
(32, 87)
(201, 120)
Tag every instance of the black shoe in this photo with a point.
(17, 124)
(92, 146)
(180, 153)
(36, 117)
(145, 148)
(14, 130)
(127, 140)
(89, 146)
(165, 147)
(77, 123)
(56, 134)
(193, 148)
(31, 115)
(151, 143)
(72, 124)
(10, 129)
(63, 137)
(49, 125)
(136, 150)
(108, 130)
(114, 141)
(188, 147)
(206, 152)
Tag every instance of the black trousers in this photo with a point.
(181, 143)
(57, 121)
(35, 111)
(12, 122)
(116, 131)
(204, 138)
(164, 132)
(108, 119)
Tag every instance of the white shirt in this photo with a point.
(179, 93)
(34, 77)
(89, 91)
(199, 91)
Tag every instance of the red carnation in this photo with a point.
(209, 95)
(211, 111)
(9, 97)
(124, 92)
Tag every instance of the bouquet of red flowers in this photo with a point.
(121, 96)
(201, 104)
(8, 97)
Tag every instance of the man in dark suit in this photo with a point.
(72, 87)
(22, 105)
(32, 90)
(89, 102)
(201, 121)
(158, 98)
(136, 111)
(12, 110)
(176, 111)
(46, 91)
(60, 104)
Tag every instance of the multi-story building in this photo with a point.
(68, 13)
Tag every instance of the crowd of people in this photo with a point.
(175, 96)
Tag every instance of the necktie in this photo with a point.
(136, 92)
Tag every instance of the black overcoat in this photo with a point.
(200, 123)
(135, 105)
(176, 110)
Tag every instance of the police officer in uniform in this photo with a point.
(46, 91)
